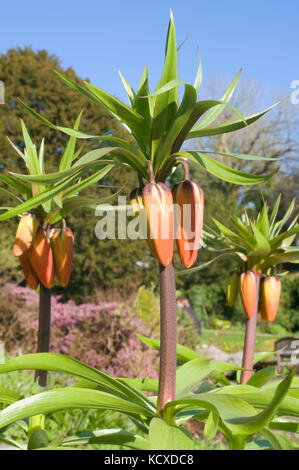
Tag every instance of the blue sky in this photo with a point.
(98, 38)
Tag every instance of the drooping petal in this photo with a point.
(269, 297)
(248, 292)
(62, 243)
(26, 231)
(28, 271)
(188, 198)
(41, 258)
(158, 203)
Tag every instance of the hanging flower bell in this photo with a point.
(270, 291)
(188, 198)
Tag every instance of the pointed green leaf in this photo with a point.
(39, 199)
(93, 178)
(63, 364)
(191, 373)
(262, 246)
(224, 172)
(118, 109)
(129, 90)
(226, 231)
(180, 119)
(278, 441)
(163, 436)
(144, 105)
(216, 111)
(68, 398)
(290, 256)
(279, 225)
(198, 78)
(263, 224)
(68, 155)
(259, 378)
(166, 104)
(247, 237)
(32, 158)
(41, 157)
(8, 396)
(228, 126)
(274, 212)
(277, 241)
(108, 436)
(242, 156)
(10, 195)
(211, 425)
(184, 354)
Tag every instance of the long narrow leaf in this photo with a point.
(216, 111)
(59, 363)
(228, 126)
(69, 398)
(68, 154)
(224, 172)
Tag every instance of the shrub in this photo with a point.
(102, 335)
(276, 329)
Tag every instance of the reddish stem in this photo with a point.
(186, 168)
(168, 350)
(151, 172)
(43, 330)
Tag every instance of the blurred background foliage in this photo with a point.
(124, 269)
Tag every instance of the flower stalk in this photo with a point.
(168, 331)
(44, 322)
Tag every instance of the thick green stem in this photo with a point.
(238, 443)
(168, 348)
(249, 341)
(44, 323)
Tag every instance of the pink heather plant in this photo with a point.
(102, 335)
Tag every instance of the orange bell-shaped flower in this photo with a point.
(158, 202)
(188, 198)
(249, 291)
(26, 231)
(41, 258)
(62, 243)
(270, 291)
(30, 276)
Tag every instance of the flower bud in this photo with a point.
(41, 258)
(158, 203)
(189, 200)
(136, 201)
(232, 288)
(26, 231)
(30, 276)
(249, 292)
(269, 297)
(62, 243)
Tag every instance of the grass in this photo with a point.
(232, 340)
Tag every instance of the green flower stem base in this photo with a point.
(249, 341)
(237, 443)
(44, 323)
(168, 352)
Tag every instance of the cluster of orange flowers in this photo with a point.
(250, 285)
(185, 194)
(44, 252)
